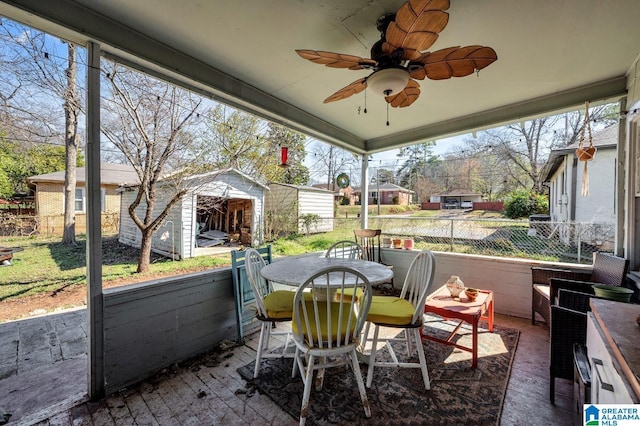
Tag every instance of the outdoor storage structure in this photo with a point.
(226, 206)
(301, 209)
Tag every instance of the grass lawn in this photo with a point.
(47, 266)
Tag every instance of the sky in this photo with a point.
(390, 159)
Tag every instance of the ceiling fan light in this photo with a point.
(388, 82)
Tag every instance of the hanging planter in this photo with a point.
(586, 153)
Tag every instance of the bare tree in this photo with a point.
(71, 113)
(329, 161)
(148, 121)
(34, 68)
(520, 150)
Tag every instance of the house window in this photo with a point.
(79, 201)
(374, 195)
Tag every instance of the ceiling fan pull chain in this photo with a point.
(387, 114)
(365, 100)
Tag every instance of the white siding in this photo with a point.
(292, 201)
(599, 205)
(166, 240)
(177, 235)
(282, 198)
(320, 203)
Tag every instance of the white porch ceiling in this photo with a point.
(552, 56)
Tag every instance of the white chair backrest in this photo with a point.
(418, 282)
(260, 286)
(345, 250)
(327, 317)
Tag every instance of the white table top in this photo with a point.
(294, 271)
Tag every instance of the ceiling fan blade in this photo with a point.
(350, 90)
(406, 97)
(336, 60)
(452, 62)
(416, 27)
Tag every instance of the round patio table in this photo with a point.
(294, 271)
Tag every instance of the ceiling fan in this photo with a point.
(398, 59)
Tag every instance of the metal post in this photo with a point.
(579, 242)
(451, 235)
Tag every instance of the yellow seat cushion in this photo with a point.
(279, 304)
(390, 310)
(322, 313)
(348, 293)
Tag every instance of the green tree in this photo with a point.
(251, 145)
(19, 161)
(523, 203)
(295, 173)
(415, 159)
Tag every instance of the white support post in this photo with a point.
(364, 192)
(95, 314)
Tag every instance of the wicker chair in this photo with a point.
(568, 328)
(607, 269)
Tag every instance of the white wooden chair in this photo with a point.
(271, 307)
(404, 312)
(326, 327)
(345, 249)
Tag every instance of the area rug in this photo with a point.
(459, 395)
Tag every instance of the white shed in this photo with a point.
(290, 204)
(222, 208)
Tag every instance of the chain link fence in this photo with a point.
(551, 241)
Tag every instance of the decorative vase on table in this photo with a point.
(455, 286)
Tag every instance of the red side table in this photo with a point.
(441, 303)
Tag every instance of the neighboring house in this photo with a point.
(221, 207)
(389, 192)
(563, 175)
(339, 194)
(286, 205)
(49, 196)
(457, 198)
